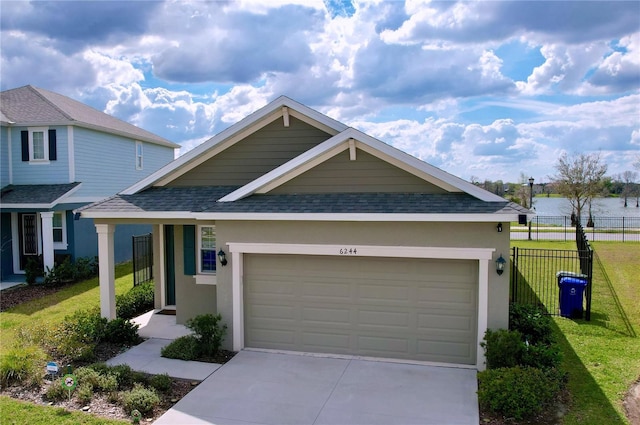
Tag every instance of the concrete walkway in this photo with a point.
(146, 357)
(270, 388)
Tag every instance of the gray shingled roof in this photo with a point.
(34, 193)
(204, 199)
(30, 105)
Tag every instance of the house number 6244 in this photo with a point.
(348, 251)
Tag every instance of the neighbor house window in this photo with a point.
(207, 245)
(59, 233)
(139, 162)
(38, 144)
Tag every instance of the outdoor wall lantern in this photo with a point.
(499, 227)
(500, 262)
(222, 256)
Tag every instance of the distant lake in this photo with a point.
(602, 207)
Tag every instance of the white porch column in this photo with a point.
(237, 290)
(483, 310)
(47, 239)
(107, 270)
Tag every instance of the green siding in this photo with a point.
(257, 154)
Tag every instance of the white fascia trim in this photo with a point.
(362, 217)
(159, 215)
(363, 250)
(83, 199)
(233, 134)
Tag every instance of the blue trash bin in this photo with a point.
(571, 296)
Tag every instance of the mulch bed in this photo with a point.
(99, 405)
(16, 295)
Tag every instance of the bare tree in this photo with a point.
(579, 179)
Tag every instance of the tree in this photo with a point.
(579, 179)
(628, 177)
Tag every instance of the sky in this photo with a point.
(492, 90)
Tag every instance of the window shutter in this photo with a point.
(24, 135)
(189, 249)
(53, 154)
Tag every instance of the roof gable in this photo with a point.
(343, 138)
(281, 108)
(30, 105)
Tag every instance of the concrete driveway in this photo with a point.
(270, 388)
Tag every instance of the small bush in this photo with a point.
(532, 322)
(22, 366)
(33, 270)
(209, 332)
(139, 377)
(121, 331)
(139, 398)
(123, 374)
(542, 356)
(161, 383)
(503, 348)
(66, 271)
(516, 392)
(88, 376)
(55, 391)
(61, 273)
(183, 348)
(136, 301)
(85, 393)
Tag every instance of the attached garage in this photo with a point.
(405, 308)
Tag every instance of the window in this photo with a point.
(207, 245)
(38, 144)
(59, 230)
(139, 156)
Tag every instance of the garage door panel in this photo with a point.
(326, 315)
(397, 308)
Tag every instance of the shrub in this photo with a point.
(85, 268)
(55, 391)
(136, 301)
(532, 322)
(183, 348)
(63, 272)
(139, 398)
(33, 270)
(88, 376)
(67, 271)
(503, 348)
(86, 325)
(161, 382)
(542, 356)
(123, 374)
(516, 392)
(85, 393)
(121, 331)
(22, 366)
(209, 332)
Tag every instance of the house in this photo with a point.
(57, 154)
(309, 235)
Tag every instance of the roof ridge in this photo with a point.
(36, 90)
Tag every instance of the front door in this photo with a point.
(28, 237)
(169, 265)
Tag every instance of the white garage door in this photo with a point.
(413, 309)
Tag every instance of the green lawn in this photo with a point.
(14, 412)
(602, 356)
(54, 308)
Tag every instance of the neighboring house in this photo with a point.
(57, 154)
(308, 235)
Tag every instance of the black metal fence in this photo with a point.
(142, 259)
(534, 273)
(623, 229)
